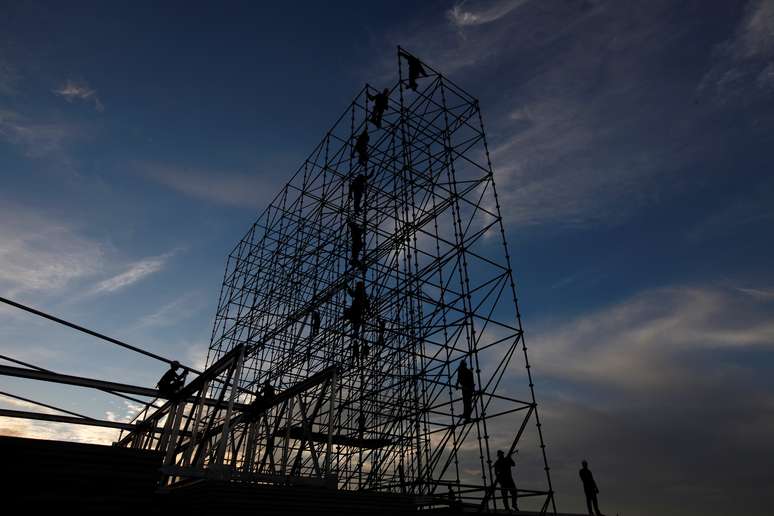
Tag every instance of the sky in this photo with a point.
(631, 143)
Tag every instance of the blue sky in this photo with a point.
(632, 146)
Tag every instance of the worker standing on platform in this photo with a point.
(361, 147)
(589, 488)
(381, 104)
(171, 381)
(504, 477)
(465, 382)
(357, 188)
(415, 69)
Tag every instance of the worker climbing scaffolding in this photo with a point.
(381, 104)
(466, 384)
(357, 189)
(361, 148)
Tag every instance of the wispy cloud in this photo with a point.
(36, 138)
(643, 378)
(41, 254)
(571, 146)
(742, 70)
(641, 342)
(217, 186)
(766, 294)
(463, 16)
(72, 90)
(135, 272)
(174, 312)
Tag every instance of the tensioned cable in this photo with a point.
(93, 333)
(46, 405)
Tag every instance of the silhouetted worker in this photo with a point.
(268, 394)
(415, 70)
(465, 382)
(357, 188)
(504, 477)
(315, 316)
(590, 488)
(263, 400)
(357, 232)
(357, 310)
(171, 381)
(381, 102)
(361, 147)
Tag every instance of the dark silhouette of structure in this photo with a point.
(437, 294)
(590, 489)
(433, 287)
(504, 477)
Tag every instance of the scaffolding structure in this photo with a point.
(436, 269)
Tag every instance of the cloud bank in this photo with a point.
(666, 392)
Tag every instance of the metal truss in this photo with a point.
(373, 407)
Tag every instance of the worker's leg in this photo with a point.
(514, 498)
(596, 505)
(467, 402)
(504, 494)
(588, 503)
